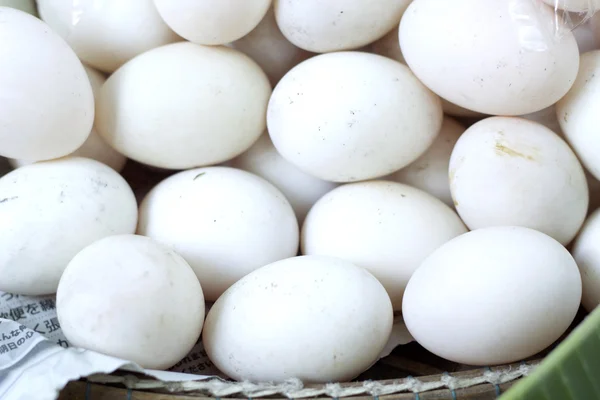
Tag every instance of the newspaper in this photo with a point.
(37, 361)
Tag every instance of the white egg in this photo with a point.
(386, 227)
(336, 127)
(270, 49)
(430, 171)
(184, 105)
(575, 5)
(130, 297)
(318, 319)
(493, 296)
(224, 221)
(94, 147)
(325, 26)
(587, 255)
(107, 33)
(212, 22)
(28, 6)
(578, 114)
(47, 105)
(511, 171)
(483, 59)
(302, 190)
(50, 211)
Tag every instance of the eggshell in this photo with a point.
(302, 190)
(578, 114)
(50, 211)
(493, 296)
(525, 72)
(224, 221)
(386, 227)
(270, 49)
(94, 147)
(587, 255)
(575, 5)
(430, 171)
(212, 22)
(511, 171)
(130, 297)
(184, 105)
(47, 106)
(336, 127)
(107, 33)
(335, 25)
(318, 319)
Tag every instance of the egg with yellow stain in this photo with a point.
(511, 171)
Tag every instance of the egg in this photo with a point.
(318, 319)
(430, 171)
(107, 33)
(512, 171)
(578, 115)
(389, 46)
(50, 211)
(575, 5)
(493, 296)
(28, 6)
(302, 190)
(331, 125)
(130, 297)
(525, 72)
(587, 255)
(94, 147)
(47, 105)
(212, 22)
(184, 105)
(224, 221)
(270, 49)
(335, 25)
(386, 227)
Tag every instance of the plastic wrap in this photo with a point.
(536, 31)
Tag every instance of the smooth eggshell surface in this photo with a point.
(587, 255)
(318, 319)
(302, 190)
(493, 296)
(336, 127)
(130, 297)
(430, 171)
(94, 147)
(107, 33)
(386, 227)
(270, 49)
(184, 105)
(212, 22)
(224, 221)
(511, 171)
(579, 113)
(325, 26)
(50, 211)
(47, 105)
(525, 72)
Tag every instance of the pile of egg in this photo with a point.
(332, 164)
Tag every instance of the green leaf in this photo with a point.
(570, 372)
